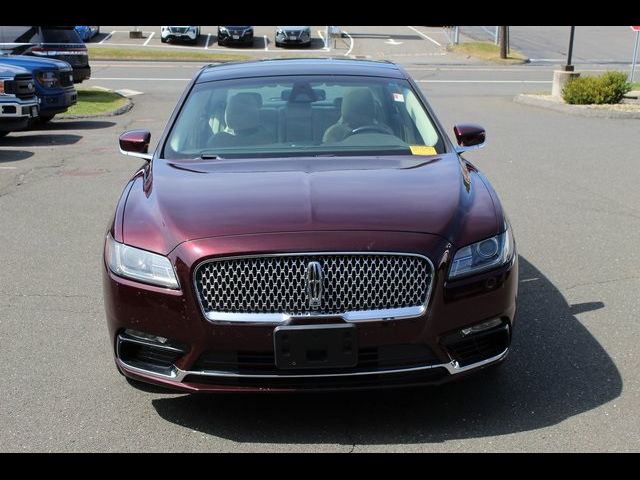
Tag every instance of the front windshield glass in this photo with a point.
(302, 115)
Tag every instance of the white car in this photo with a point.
(184, 33)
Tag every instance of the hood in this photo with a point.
(181, 201)
(9, 71)
(30, 62)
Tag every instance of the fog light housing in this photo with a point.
(146, 336)
(494, 322)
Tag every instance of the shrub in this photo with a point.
(607, 88)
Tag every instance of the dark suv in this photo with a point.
(61, 43)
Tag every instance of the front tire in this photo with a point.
(163, 40)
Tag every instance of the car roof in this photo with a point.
(300, 66)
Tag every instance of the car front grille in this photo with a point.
(286, 284)
(178, 30)
(22, 86)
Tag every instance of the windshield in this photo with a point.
(60, 35)
(302, 115)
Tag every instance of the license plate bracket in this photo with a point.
(315, 346)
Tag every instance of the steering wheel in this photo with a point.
(370, 129)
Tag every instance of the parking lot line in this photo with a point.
(324, 40)
(351, 40)
(424, 35)
(148, 39)
(266, 44)
(107, 37)
(206, 46)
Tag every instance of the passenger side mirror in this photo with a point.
(469, 136)
(135, 143)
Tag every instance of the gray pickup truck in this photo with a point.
(18, 102)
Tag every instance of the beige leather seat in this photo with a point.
(242, 117)
(358, 110)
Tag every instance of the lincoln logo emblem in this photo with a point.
(314, 284)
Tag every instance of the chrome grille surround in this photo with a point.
(272, 288)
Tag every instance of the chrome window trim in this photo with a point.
(178, 375)
(282, 319)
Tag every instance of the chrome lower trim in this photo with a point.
(283, 318)
(178, 375)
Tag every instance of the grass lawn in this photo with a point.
(488, 51)
(635, 86)
(92, 101)
(152, 53)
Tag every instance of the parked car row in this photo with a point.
(238, 35)
(33, 90)
(61, 43)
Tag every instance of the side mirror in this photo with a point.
(469, 136)
(135, 143)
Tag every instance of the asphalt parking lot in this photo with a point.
(571, 382)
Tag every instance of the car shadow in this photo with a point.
(26, 139)
(72, 125)
(555, 370)
(14, 155)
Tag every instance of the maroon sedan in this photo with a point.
(307, 225)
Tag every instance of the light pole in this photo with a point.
(568, 67)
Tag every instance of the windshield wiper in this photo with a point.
(210, 156)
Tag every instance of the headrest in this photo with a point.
(243, 111)
(358, 107)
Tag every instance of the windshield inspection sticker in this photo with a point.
(398, 97)
(422, 150)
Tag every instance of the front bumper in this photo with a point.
(58, 102)
(292, 40)
(228, 39)
(15, 115)
(177, 316)
(81, 73)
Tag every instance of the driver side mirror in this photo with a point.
(469, 136)
(135, 143)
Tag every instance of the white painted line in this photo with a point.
(324, 40)
(547, 59)
(148, 39)
(8, 168)
(487, 30)
(424, 36)
(266, 44)
(138, 79)
(106, 38)
(351, 40)
(484, 81)
(206, 47)
(125, 92)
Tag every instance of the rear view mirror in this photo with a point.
(135, 143)
(469, 136)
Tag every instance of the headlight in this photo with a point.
(248, 31)
(280, 32)
(47, 79)
(223, 29)
(485, 255)
(137, 264)
(192, 30)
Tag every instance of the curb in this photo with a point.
(118, 111)
(578, 110)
